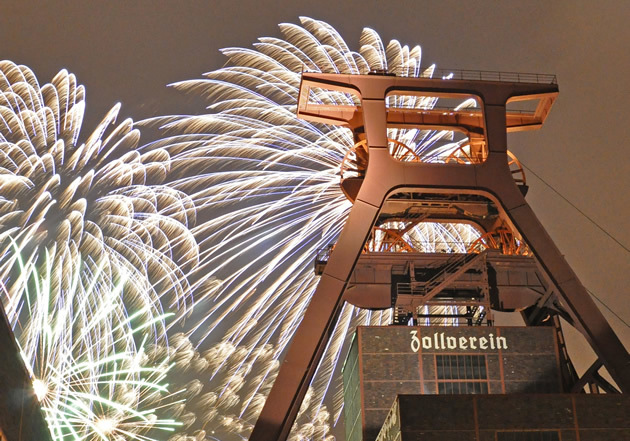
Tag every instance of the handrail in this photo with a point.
(440, 73)
(452, 267)
(452, 109)
(488, 75)
(323, 254)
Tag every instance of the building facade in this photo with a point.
(442, 360)
(523, 417)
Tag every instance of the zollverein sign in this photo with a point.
(440, 341)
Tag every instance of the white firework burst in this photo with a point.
(92, 376)
(273, 198)
(97, 259)
(100, 199)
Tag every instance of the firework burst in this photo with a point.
(272, 191)
(93, 386)
(98, 260)
(100, 200)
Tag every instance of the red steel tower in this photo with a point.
(513, 266)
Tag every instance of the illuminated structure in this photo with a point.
(481, 184)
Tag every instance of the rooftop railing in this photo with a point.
(481, 75)
(487, 75)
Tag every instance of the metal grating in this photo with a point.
(461, 374)
(461, 367)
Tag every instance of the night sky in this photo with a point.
(129, 52)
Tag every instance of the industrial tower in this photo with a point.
(514, 266)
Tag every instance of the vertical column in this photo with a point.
(375, 121)
(496, 133)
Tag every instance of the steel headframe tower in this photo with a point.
(489, 176)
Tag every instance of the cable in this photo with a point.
(606, 306)
(578, 210)
(594, 223)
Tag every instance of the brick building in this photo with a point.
(469, 383)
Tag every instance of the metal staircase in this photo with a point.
(411, 297)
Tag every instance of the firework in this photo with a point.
(89, 386)
(98, 260)
(272, 191)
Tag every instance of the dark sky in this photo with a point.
(129, 51)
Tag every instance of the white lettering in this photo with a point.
(415, 341)
(442, 341)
